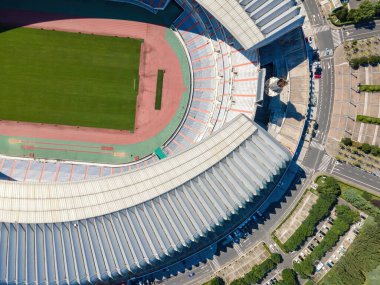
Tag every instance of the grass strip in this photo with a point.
(369, 88)
(368, 119)
(159, 86)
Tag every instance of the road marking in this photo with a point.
(320, 29)
(317, 145)
(337, 37)
(215, 263)
(325, 163)
(359, 182)
(238, 249)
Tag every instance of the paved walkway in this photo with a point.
(348, 104)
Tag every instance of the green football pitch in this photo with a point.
(68, 78)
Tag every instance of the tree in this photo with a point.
(215, 281)
(365, 12)
(289, 277)
(366, 148)
(342, 13)
(276, 258)
(377, 9)
(346, 214)
(347, 141)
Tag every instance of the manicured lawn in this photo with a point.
(68, 78)
(160, 83)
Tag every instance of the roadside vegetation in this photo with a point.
(215, 281)
(367, 11)
(363, 52)
(289, 277)
(361, 262)
(259, 272)
(328, 196)
(368, 119)
(358, 154)
(362, 259)
(345, 218)
(369, 88)
(364, 201)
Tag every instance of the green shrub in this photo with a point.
(369, 88)
(258, 272)
(361, 257)
(215, 281)
(342, 14)
(351, 196)
(365, 12)
(347, 141)
(366, 148)
(289, 277)
(345, 217)
(328, 195)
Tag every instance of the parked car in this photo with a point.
(316, 55)
(318, 72)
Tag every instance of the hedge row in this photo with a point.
(369, 88)
(258, 272)
(365, 60)
(365, 147)
(328, 196)
(368, 119)
(372, 149)
(345, 218)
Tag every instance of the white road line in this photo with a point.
(325, 163)
(359, 182)
(317, 145)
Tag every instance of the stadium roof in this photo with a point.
(255, 23)
(115, 226)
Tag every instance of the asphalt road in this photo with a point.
(312, 10)
(356, 175)
(361, 31)
(324, 41)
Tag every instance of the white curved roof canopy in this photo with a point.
(62, 202)
(255, 23)
(125, 225)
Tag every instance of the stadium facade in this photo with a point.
(256, 23)
(122, 226)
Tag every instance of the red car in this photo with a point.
(318, 72)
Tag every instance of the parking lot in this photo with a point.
(300, 213)
(348, 104)
(244, 264)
